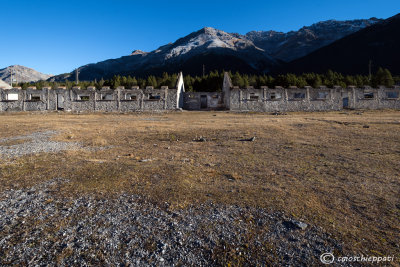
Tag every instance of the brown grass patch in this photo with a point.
(324, 168)
(99, 141)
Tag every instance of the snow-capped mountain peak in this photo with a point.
(208, 38)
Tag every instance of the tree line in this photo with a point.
(212, 81)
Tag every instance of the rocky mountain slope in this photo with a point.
(22, 74)
(378, 43)
(254, 52)
(295, 44)
(4, 85)
(210, 47)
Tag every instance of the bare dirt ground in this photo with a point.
(338, 172)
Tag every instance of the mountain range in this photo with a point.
(295, 44)
(344, 46)
(22, 74)
(213, 49)
(375, 46)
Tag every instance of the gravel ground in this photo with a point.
(38, 227)
(35, 143)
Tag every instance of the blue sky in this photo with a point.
(58, 36)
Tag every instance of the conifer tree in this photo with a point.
(378, 78)
(152, 81)
(172, 80)
(134, 81)
(124, 81)
(237, 79)
(115, 81)
(101, 83)
(387, 78)
(142, 83)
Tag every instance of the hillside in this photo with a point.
(22, 74)
(352, 54)
(296, 44)
(4, 85)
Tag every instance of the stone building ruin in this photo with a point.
(266, 99)
(90, 99)
(231, 97)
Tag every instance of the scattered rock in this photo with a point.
(145, 160)
(39, 227)
(301, 225)
(249, 139)
(200, 139)
(188, 160)
(233, 176)
(294, 224)
(277, 113)
(36, 142)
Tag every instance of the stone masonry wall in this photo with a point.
(313, 99)
(88, 100)
(212, 100)
(232, 98)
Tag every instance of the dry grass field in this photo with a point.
(337, 170)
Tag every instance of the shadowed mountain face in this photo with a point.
(22, 74)
(255, 52)
(295, 44)
(352, 54)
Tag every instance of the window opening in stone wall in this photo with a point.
(275, 96)
(83, 98)
(322, 95)
(253, 96)
(392, 94)
(154, 97)
(368, 95)
(107, 97)
(299, 95)
(130, 97)
(12, 97)
(35, 98)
